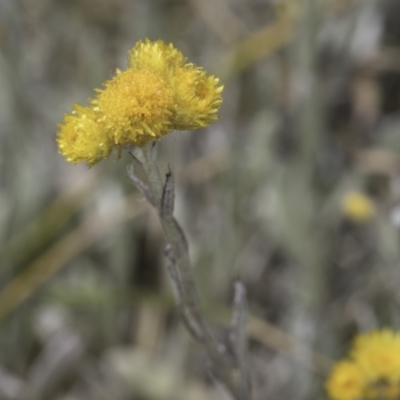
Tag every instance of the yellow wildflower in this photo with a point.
(156, 57)
(137, 106)
(358, 207)
(373, 373)
(378, 354)
(197, 97)
(159, 92)
(346, 382)
(82, 137)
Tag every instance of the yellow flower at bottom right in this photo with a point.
(372, 370)
(378, 354)
(347, 382)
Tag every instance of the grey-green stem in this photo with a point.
(227, 369)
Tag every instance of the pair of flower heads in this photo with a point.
(372, 370)
(158, 92)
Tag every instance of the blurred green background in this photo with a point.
(310, 114)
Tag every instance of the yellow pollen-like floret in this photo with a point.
(137, 106)
(358, 207)
(378, 354)
(197, 97)
(82, 137)
(346, 382)
(158, 92)
(372, 373)
(156, 57)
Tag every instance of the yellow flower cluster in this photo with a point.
(158, 92)
(358, 207)
(372, 372)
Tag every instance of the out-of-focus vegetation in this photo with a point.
(310, 116)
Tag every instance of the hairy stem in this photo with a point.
(161, 195)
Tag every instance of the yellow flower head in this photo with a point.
(358, 207)
(81, 137)
(158, 92)
(137, 106)
(346, 382)
(197, 97)
(156, 57)
(378, 354)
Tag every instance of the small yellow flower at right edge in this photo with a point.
(378, 354)
(357, 206)
(372, 372)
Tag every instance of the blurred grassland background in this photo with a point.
(310, 113)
